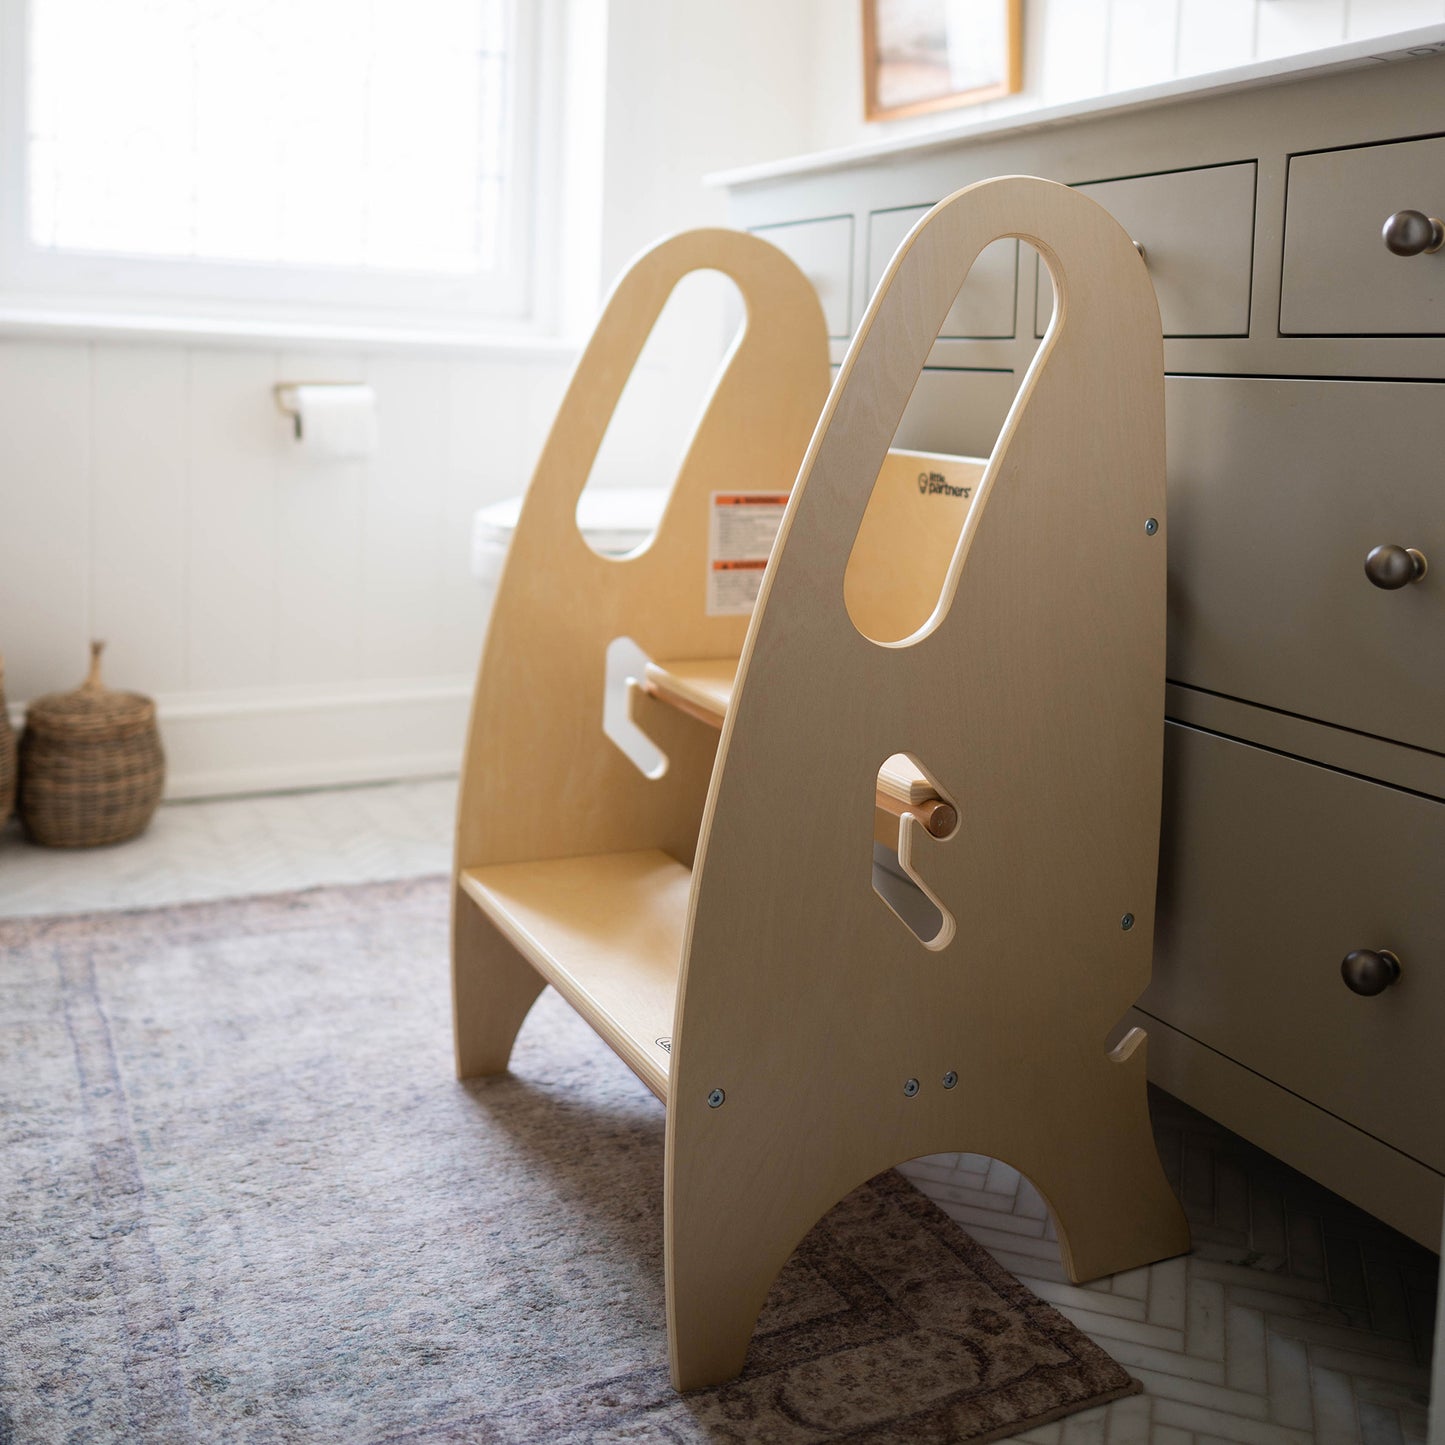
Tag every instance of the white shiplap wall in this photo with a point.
(299, 621)
(306, 623)
(1079, 48)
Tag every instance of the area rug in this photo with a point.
(243, 1198)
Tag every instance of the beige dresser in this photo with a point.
(1305, 787)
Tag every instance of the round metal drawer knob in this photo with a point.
(1413, 233)
(1394, 567)
(1368, 972)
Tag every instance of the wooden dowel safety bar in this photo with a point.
(939, 817)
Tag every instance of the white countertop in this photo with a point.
(1381, 50)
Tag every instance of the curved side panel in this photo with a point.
(1034, 694)
(540, 780)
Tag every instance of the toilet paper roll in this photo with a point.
(334, 422)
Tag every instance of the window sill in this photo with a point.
(22, 320)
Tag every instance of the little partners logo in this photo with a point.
(933, 483)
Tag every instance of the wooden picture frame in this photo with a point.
(926, 55)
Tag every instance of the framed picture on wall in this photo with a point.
(923, 55)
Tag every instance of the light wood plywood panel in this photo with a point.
(560, 605)
(823, 251)
(986, 303)
(786, 945)
(1197, 231)
(1339, 277)
(607, 934)
(920, 505)
(405, 516)
(234, 444)
(140, 399)
(319, 586)
(571, 863)
(704, 688)
(45, 534)
(1278, 491)
(1273, 871)
(1039, 714)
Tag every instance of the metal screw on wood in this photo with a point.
(1127, 922)
(911, 1087)
(715, 1099)
(950, 1079)
(1151, 526)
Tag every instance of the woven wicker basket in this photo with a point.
(7, 756)
(91, 767)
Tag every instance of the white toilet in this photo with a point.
(614, 520)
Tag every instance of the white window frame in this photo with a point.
(521, 300)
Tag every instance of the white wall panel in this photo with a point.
(319, 586)
(1074, 62)
(234, 445)
(1289, 26)
(1365, 18)
(140, 397)
(402, 543)
(1142, 37)
(1215, 34)
(45, 522)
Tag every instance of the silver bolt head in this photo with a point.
(911, 1087)
(715, 1099)
(1127, 922)
(950, 1079)
(1151, 526)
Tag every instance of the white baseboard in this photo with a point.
(275, 740)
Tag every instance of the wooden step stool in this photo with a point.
(718, 924)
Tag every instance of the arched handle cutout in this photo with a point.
(1102, 289)
(906, 541)
(657, 416)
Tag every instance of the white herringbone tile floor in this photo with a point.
(1296, 1319)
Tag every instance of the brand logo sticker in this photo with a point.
(934, 484)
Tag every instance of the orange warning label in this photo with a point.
(742, 527)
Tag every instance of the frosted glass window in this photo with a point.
(371, 134)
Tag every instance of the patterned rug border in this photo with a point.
(101, 933)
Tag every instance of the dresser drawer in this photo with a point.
(823, 251)
(1272, 871)
(987, 300)
(1278, 490)
(1339, 277)
(1197, 231)
(956, 411)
